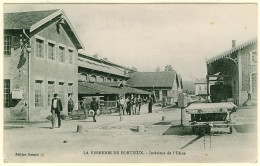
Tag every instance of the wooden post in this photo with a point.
(140, 128)
(79, 129)
(181, 116)
(163, 118)
(207, 87)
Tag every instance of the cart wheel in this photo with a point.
(230, 130)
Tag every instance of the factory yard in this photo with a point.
(113, 140)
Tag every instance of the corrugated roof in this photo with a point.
(100, 67)
(152, 79)
(24, 20)
(230, 51)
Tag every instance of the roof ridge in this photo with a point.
(231, 50)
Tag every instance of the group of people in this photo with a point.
(132, 105)
(57, 108)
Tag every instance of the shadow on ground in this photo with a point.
(178, 130)
(13, 127)
(162, 123)
(245, 128)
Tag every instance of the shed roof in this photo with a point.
(32, 20)
(152, 79)
(90, 88)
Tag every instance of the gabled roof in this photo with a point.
(230, 51)
(32, 20)
(152, 79)
(25, 20)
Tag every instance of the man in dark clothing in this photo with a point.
(94, 106)
(150, 104)
(56, 109)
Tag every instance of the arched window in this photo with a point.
(100, 79)
(93, 78)
(82, 77)
(108, 79)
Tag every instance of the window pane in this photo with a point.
(61, 54)
(61, 92)
(51, 90)
(70, 57)
(38, 94)
(39, 48)
(7, 45)
(51, 51)
(7, 95)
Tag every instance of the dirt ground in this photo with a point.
(111, 140)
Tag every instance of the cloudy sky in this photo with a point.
(151, 35)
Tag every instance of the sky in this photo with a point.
(150, 35)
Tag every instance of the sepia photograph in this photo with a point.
(130, 82)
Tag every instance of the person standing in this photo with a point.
(138, 104)
(128, 106)
(94, 106)
(70, 105)
(132, 104)
(150, 104)
(56, 109)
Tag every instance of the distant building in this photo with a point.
(40, 59)
(237, 68)
(201, 87)
(164, 84)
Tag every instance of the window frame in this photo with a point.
(54, 50)
(10, 42)
(41, 94)
(251, 57)
(64, 50)
(7, 95)
(72, 55)
(50, 96)
(43, 48)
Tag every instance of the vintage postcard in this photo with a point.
(130, 83)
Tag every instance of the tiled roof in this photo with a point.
(24, 20)
(88, 88)
(152, 79)
(32, 20)
(230, 51)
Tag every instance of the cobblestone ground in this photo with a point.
(112, 140)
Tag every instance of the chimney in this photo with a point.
(233, 43)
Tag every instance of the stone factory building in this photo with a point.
(40, 59)
(237, 68)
